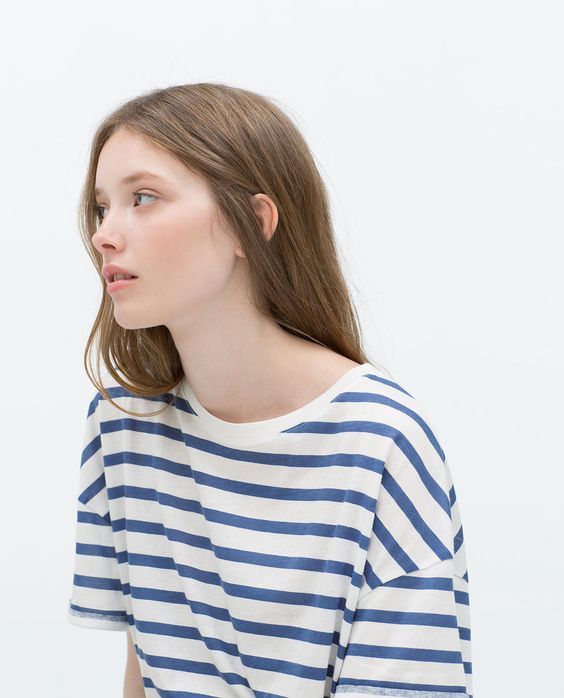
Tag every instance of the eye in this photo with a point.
(100, 209)
(140, 193)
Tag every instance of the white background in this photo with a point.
(439, 130)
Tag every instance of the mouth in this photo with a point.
(119, 283)
(121, 277)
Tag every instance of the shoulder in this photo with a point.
(98, 404)
(417, 519)
(395, 409)
(125, 403)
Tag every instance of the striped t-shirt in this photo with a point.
(317, 554)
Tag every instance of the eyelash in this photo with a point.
(98, 209)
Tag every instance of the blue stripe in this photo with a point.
(417, 521)
(104, 583)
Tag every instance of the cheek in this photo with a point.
(196, 262)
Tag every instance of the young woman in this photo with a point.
(265, 511)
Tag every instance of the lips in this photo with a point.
(109, 270)
(119, 284)
(127, 277)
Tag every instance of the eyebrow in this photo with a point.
(135, 177)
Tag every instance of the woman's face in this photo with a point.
(162, 230)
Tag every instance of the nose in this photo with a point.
(106, 237)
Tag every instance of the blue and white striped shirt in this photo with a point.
(314, 555)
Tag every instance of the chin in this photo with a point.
(132, 323)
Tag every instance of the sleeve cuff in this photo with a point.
(89, 618)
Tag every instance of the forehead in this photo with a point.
(129, 157)
(139, 176)
(132, 157)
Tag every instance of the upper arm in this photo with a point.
(97, 597)
(410, 632)
(411, 636)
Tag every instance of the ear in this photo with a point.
(267, 211)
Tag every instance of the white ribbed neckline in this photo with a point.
(266, 428)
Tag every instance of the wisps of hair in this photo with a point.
(242, 143)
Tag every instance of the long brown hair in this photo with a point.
(242, 143)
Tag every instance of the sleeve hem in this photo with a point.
(95, 621)
(352, 691)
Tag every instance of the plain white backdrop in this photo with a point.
(439, 130)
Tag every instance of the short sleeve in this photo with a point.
(410, 632)
(97, 599)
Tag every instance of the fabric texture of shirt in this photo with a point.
(318, 554)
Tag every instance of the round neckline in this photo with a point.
(267, 428)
